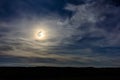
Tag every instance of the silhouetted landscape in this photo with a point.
(58, 73)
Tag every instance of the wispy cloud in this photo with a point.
(79, 40)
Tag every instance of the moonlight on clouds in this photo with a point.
(67, 33)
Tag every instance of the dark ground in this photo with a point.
(58, 73)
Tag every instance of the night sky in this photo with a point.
(63, 33)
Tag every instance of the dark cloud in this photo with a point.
(4, 30)
(5, 48)
(108, 51)
(13, 8)
(113, 2)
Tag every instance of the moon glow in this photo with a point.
(40, 35)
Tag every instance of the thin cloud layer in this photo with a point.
(79, 35)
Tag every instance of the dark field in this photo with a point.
(55, 73)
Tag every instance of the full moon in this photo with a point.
(40, 35)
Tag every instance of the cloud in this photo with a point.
(79, 40)
(92, 19)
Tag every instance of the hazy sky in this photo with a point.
(79, 33)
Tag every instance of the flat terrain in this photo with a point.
(58, 73)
